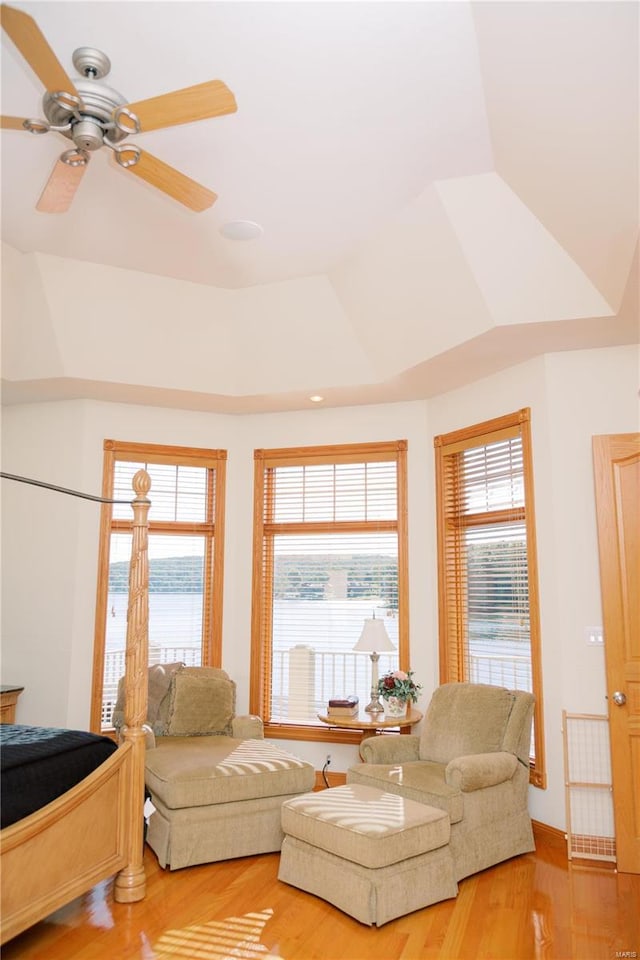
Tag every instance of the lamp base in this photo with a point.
(374, 706)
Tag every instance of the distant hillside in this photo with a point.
(296, 577)
(340, 577)
(166, 575)
(496, 575)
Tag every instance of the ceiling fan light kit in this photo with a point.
(93, 115)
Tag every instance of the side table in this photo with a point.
(372, 724)
(8, 698)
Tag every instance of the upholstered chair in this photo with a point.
(215, 783)
(472, 760)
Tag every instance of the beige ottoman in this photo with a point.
(374, 855)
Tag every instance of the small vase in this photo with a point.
(393, 707)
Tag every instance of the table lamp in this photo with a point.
(374, 639)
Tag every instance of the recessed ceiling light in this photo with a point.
(316, 398)
(241, 230)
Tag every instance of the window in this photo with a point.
(330, 550)
(488, 584)
(186, 521)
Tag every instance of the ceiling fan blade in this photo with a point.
(12, 123)
(31, 43)
(172, 182)
(61, 188)
(204, 100)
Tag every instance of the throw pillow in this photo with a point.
(201, 705)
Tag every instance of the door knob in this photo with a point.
(619, 698)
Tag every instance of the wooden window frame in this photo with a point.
(261, 636)
(213, 527)
(451, 626)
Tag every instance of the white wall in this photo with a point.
(43, 338)
(50, 543)
(40, 596)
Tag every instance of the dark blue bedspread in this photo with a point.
(38, 764)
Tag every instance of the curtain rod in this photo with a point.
(52, 486)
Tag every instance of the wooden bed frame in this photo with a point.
(96, 829)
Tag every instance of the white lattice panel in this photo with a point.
(589, 805)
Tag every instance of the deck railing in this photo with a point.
(510, 671)
(304, 679)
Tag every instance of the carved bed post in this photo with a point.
(130, 884)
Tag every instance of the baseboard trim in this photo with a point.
(550, 835)
(333, 779)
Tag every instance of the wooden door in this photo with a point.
(617, 478)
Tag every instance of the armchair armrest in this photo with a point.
(390, 748)
(247, 727)
(149, 736)
(480, 770)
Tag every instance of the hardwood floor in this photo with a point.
(534, 906)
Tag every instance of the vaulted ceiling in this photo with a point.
(444, 188)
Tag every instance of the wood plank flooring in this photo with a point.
(534, 906)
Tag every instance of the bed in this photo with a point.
(39, 764)
(55, 853)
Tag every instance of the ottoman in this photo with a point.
(374, 855)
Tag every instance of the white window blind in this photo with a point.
(493, 558)
(329, 558)
(179, 492)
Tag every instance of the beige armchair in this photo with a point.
(216, 784)
(472, 760)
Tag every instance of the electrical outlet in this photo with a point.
(328, 760)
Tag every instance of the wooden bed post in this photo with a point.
(130, 884)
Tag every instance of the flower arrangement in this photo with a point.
(400, 686)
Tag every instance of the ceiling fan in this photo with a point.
(93, 115)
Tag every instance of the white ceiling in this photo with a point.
(463, 178)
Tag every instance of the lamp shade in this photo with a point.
(374, 637)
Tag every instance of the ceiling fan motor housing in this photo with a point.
(98, 103)
(87, 134)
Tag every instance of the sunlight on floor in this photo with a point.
(218, 940)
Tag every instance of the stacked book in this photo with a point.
(343, 707)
